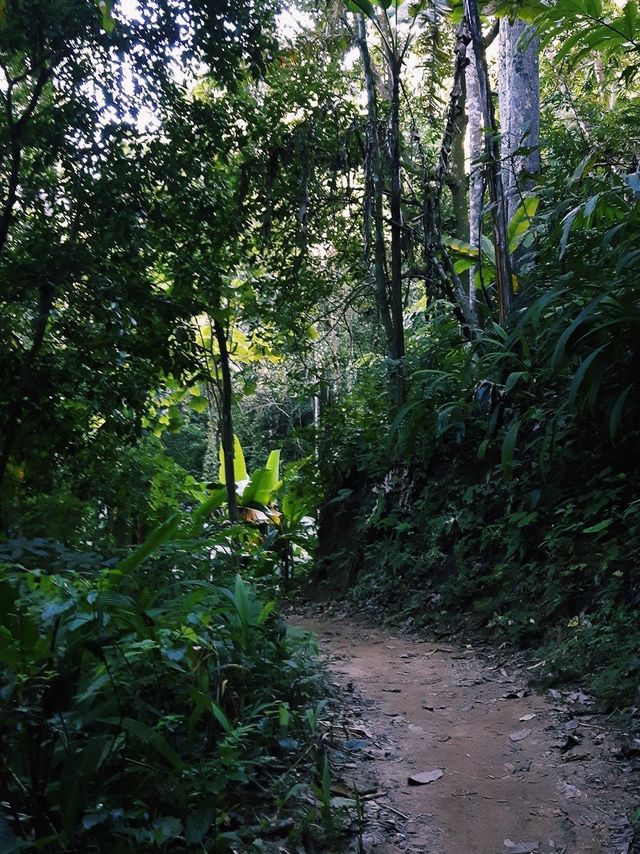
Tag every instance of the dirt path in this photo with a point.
(521, 772)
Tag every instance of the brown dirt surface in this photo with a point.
(522, 771)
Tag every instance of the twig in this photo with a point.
(394, 810)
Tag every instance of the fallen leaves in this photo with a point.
(580, 698)
(425, 777)
(356, 743)
(521, 847)
(519, 734)
(427, 719)
(569, 791)
(516, 695)
(415, 728)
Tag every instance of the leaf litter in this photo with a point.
(520, 734)
(425, 777)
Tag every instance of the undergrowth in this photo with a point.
(151, 704)
(512, 504)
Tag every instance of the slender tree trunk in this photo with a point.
(519, 99)
(475, 149)
(211, 462)
(458, 180)
(227, 421)
(389, 295)
(474, 137)
(374, 211)
(16, 127)
(14, 413)
(504, 286)
(476, 179)
(12, 191)
(398, 391)
(451, 166)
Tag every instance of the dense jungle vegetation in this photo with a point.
(340, 297)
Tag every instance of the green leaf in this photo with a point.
(216, 500)
(460, 247)
(615, 419)
(239, 465)
(198, 404)
(508, 448)
(521, 222)
(580, 374)
(567, 46)
(360, 7)
(567, 222)
(595, 529)
(628, 260)
(221, 717)
(266, 612)
(512, 381)
(264, 483)
(583, 166)
(482, 450)
(583, 317)
(463, 264)
(611, 233)
(106, 9)
(590, 205)
(160, 535)
(488, 249)
(199, 823)
(284, 715)
(149, 736)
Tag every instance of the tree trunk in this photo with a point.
(519, 99)
(504, 286)
(227, 422)
(14, 413)
(458, 182)
(474, 143)
(398, 391)
(451, 168)
(389, 295)
(374, 217)
(16, 127)
(476, 181)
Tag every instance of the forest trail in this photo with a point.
(523, 772)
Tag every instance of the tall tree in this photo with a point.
(493, 171)
(388, 271)
(475, 147)
(86, 327)
(519, 101)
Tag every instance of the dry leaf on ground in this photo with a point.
(520, 734)
(425, 777)
(521, 847)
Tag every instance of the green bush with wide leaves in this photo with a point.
(146, 702)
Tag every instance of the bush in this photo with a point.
(141, 704)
